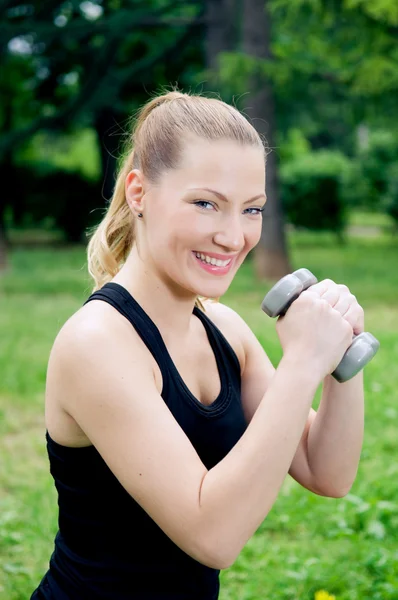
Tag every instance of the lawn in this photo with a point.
(308, 543)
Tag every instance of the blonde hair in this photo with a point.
(155, 145)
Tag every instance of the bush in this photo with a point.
(390, 200)
(377, 166)
(313, 190)
(66, 199)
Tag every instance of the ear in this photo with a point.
(134, 190)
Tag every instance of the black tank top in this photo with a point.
(107, 546)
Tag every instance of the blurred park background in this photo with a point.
(319, 79)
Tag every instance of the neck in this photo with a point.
(170, 309)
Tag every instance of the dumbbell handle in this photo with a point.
(277, 301)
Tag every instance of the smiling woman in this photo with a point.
(169, 432)
(126, 401)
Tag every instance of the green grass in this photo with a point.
(307, 543)
(363, 218)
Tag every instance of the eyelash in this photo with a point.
(259, 210)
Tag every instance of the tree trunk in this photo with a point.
(221, 34)
(271, 258)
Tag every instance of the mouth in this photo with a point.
(221, 268)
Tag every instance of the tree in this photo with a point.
(226, 30)
(87, 64)
(271, 256)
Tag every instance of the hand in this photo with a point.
(341, 299)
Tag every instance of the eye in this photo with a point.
(259, 210)
(203, 202)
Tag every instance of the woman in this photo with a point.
(169, 432)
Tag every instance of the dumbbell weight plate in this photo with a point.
(363, 348)
(286, 291)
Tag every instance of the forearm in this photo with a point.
(238, 493)
(336, 435)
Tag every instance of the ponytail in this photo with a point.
(113, 238)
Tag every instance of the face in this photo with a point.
(209, 206)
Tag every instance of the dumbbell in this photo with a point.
(277, 301)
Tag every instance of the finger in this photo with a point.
(320, 287)
(310, 293)
(328, 290)
(355, 317)
(331, 295)
(343, 304)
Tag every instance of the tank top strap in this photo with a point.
(121, 299)
(223, 351)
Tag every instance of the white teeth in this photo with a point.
(213, 261)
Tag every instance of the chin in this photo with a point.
(212, 292)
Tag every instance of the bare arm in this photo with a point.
(336, 436)
(111, 393)
(238, 493)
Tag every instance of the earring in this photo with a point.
(139, 215)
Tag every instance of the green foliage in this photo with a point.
(335, 64)
(291, 145)
(385, 11)
(319, 186)
(76, 152)
(64, 199)
(312, 190)
(74, 60)
(391, 198)
(377, 167)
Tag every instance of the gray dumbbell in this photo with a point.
(276, 303)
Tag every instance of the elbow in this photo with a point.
(329, 489)
(328, 492)
(336, 492)
(339, 493)
(217, 558)
(223, 562)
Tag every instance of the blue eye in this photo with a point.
(199, 202)
(203, 202)
(259, 210)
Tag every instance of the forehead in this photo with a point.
(220, 162)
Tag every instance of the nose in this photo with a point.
(231, 235)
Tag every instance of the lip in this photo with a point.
(217, 256)
(213, 269)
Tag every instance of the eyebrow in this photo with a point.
(222, 197)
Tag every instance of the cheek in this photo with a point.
(172, 234)
(196, 226)
(254, 234)
(190, 229)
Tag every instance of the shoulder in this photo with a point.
(93, 337)
(92, 322)
(95, 350)
(97, 329)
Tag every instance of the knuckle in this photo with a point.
(323, 303)
(343, 287)
(306, 296)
